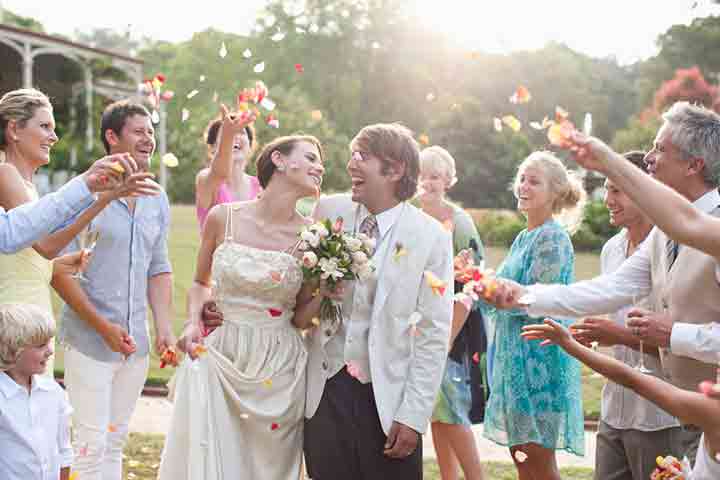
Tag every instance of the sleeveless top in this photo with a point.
(225, 195)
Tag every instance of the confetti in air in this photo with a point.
(223, 51)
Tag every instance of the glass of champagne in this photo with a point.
(640, 367)
(87, 240)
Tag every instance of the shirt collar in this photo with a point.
(387, 218)
(10, 388)
(709, 201)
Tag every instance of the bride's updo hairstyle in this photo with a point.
(285, 145)
(566, 187)
(19, 105)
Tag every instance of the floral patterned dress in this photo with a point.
(535, 392)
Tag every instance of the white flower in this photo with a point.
(309, 259)
(303, 246)
(360, 258)
(364, 271)
(329, 267)
(320, 230)
(310, 238)
(353, 244)
(369, 243)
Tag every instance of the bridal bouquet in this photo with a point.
(330, 255)
(670, 468)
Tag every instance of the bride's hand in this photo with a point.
(333, 292)
(190, 339)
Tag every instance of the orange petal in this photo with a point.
(424, 139)
(521, 95)
(559, 134)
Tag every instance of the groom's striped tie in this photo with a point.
(369, 227)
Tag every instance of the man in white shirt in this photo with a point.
(633, 431)
(678, 278)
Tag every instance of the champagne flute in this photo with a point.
(640, 367)
(87, 240)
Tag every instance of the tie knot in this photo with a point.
(369, 226)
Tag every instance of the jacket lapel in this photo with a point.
(391, 271)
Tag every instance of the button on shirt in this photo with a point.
(621, 407)
(350, 343)
(24, 225)
(131, 248)
(34, 429)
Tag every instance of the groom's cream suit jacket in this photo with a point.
(406, 362)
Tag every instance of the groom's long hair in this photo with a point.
(392, 143)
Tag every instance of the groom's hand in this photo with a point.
(401, 441)
(211, 316)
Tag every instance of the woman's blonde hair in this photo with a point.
(22, 326)
(437, 159)
(19, 105)
(566, 187)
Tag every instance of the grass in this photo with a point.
(142, 458)
(184, 241)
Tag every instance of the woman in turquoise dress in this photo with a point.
(462, 390)
(535, 405)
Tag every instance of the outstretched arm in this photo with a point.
(670, 211)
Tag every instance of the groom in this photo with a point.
(373, 378)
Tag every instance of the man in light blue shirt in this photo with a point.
(24, 225)
(104, 322)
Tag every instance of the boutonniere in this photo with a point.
(399, 251)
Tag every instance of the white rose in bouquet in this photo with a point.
(311, 238)
(353, 244)
(320, 230)
(364, 271)
(329, 267)
(359, 258)
(309, 259)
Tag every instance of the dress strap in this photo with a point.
(228, 223)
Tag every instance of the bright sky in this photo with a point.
(624, 28)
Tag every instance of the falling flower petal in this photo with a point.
(274, 427)
(155, 116)
(299, 68)
(376, 45)
(512, 122)
(202, 78)
(247, 53)
(267, 104)
(520, 456)
(112, 428)
(424, 139)
(299, 30)
(261, 91)
(244, 416)
(276, 276)
(272, 121)
(274, 312)
(215, 97)
(268, 382)
(438, 286)
(170, 160)
(185, 114)
(277, 37)
(223, 51)
(315, 321)
(199, 350)
(476, 357)
(521, 95)
(587, 124)
(169, 357)
(314, 28)
(561, 114)
(192, 94)
(259, 68)
(536, 125)
(559, 134)
(167, 95)
(497, 124)
(430, 97)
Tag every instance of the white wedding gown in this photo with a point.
(239, 408)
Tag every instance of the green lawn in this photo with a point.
(184, 239)
(142, 458)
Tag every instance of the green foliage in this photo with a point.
(500, 229)
(638, 135)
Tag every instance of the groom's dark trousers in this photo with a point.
(345, 441)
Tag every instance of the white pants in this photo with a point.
(103, 396)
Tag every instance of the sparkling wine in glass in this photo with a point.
(87, 240)
(640, 367)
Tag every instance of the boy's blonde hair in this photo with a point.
(22, 326)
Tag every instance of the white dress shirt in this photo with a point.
(608, 292)
(350, 343)
(621, 407)
(34, 429)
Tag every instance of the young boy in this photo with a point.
(34, 410)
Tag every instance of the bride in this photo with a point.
(239, 405)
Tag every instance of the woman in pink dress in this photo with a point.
(224, 179)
